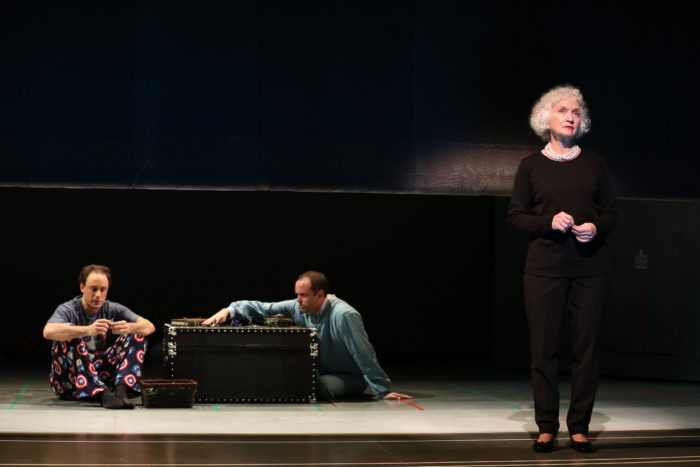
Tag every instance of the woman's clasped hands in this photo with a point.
(563, 222)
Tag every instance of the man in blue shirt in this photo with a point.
(347, 361)
(98, 346)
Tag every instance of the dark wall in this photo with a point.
(433, 276)
(392, 96)
(416, 267)
(652, 323)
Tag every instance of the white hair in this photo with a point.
(541, 111)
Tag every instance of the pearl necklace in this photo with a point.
(555, 156)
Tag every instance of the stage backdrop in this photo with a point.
(391, 96)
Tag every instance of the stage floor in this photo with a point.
(484, 419)
(493, 450)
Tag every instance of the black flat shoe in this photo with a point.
(543, 446)
(584, 447)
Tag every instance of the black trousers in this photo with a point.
(547, 301)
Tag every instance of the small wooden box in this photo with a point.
(168, 392)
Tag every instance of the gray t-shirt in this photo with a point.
(73, 313)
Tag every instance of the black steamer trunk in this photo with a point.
(244, 364)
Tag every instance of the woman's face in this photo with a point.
(565, 119)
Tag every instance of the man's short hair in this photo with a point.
(318, 280)
(90, 268)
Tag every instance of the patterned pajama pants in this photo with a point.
(78, 374)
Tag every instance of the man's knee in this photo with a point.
(340, 385)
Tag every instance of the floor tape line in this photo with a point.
(484, 396)
(19, 395)
(411, 404)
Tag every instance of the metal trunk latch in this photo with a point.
(313, 349)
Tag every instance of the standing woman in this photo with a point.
(562, 197)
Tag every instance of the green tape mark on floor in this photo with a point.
(484, 396)
(19, 395)
(604, 404)
(524, 395)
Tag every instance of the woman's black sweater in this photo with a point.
(581, 188)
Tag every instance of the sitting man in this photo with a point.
(347, 361)
(99, 346)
